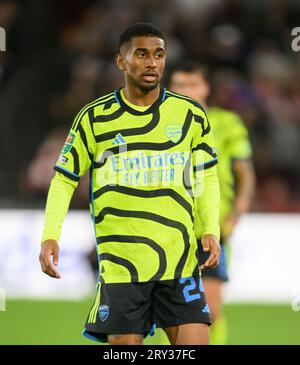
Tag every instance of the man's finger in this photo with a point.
(42, 263)
(205, 245)
(214, 259)
(52, 272)
(55, 256)
(48, 260)
(49, 268)
(211, 262)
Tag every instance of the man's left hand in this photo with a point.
(211, 243)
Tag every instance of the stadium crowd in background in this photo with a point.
(59, 57)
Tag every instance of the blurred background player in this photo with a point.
(236, 177)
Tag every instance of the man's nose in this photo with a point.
(151, 62)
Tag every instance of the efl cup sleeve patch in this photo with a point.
(68, 144)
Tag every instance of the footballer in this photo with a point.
(151, 157)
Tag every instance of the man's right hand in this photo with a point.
(49, 249)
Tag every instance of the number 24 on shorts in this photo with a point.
(191, 286)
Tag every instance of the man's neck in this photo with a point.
(203, 103)
(139, 97)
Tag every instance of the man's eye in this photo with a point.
(141, 55)
(159, 55)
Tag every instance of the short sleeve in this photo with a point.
(77, 154)
(239, 146)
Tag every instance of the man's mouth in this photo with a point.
(150, 76)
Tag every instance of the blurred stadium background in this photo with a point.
(59, 56)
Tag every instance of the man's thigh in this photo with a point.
(188, 334)
(213, 290)
(130, 339)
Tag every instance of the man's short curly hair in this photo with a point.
(140, 30)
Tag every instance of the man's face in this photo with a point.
(143, 61)
(191, 84)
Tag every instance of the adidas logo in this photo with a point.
(206, 309)
(118, 139)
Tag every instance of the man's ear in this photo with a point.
(120, 61)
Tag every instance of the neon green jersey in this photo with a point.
(232, 142)
(143, 165)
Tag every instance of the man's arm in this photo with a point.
(208, 205)
(75, 159)
(207, 198)
(245, 185)
(58, 201)
(240, 152)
